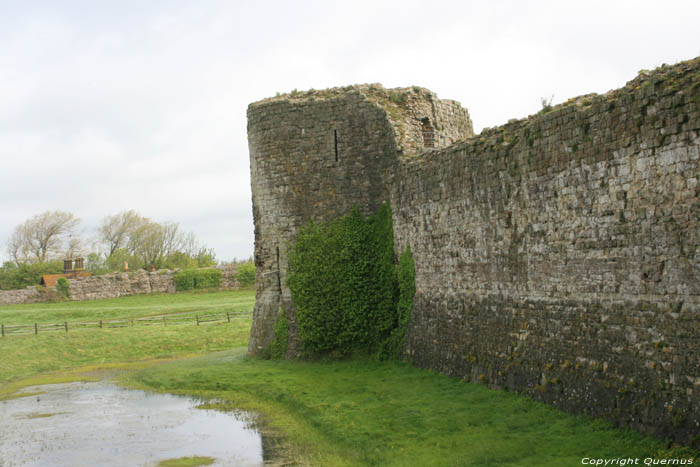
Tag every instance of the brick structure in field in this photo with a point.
(557, 256)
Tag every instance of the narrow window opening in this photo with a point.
(335, 143)
(279, 272)
(428, 134)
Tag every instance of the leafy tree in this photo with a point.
(205, 257)
(165, 245)
(96, 264)
(44, 237)
(13, 276)
(116, 261)
(7, 274)
(152, 243)
(180, 260)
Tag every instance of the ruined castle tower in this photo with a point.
(557, 255)
(315, 155)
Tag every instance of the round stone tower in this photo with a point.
(315, 155)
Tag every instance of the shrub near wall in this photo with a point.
(13, 276)
(63, 287)
(344, 285)
(246, 274)
(195, 279)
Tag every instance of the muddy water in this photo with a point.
(100, 424)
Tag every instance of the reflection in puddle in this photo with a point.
(100, 424)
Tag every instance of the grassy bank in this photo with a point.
(374, 413)
(128, 307)
(30, 355)
(343, 413)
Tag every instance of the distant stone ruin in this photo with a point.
(118, 284)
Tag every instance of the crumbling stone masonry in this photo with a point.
(557, 256)
(113, 285)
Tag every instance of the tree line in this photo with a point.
(39, 245)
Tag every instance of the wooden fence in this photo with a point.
(160, 320)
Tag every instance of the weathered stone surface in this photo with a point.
(557, 255)
(113, 286)
(314, 156)
(27, 295)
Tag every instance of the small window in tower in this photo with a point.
(279, 272)
(428, 134)
(335, 143)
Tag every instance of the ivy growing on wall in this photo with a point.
(407, 290)
(278, 347)
(345, 287)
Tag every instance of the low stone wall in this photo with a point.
(121, 284)
(30, 294)
(114, 285)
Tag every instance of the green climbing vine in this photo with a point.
(407, 290)
(278, 346)
(345, 287)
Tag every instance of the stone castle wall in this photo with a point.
(315, 156)
(113, 286)
(558, 256)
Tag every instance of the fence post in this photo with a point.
(197, 316)
(165, 323)
(228, 317)
(36, 329)
(132, 321)
(66, 324)
(3, 330)
(100, 324)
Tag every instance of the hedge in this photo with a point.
(195, 279)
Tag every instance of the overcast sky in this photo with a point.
(114, 105)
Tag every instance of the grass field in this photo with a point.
(387, 413)
(354, 412)
(128, 307)
(29, 355)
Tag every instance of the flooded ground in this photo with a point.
(100, 424)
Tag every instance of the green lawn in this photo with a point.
(355, 412)
(363, 412)
(128, 307)
(30, 355)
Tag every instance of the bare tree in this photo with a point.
(190, 245)
(173, 238)
(17, 247)
(42, 237)
(74, 247)
(114, 232)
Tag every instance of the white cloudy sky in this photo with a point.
(113, 105)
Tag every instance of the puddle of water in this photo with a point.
(100, 424)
